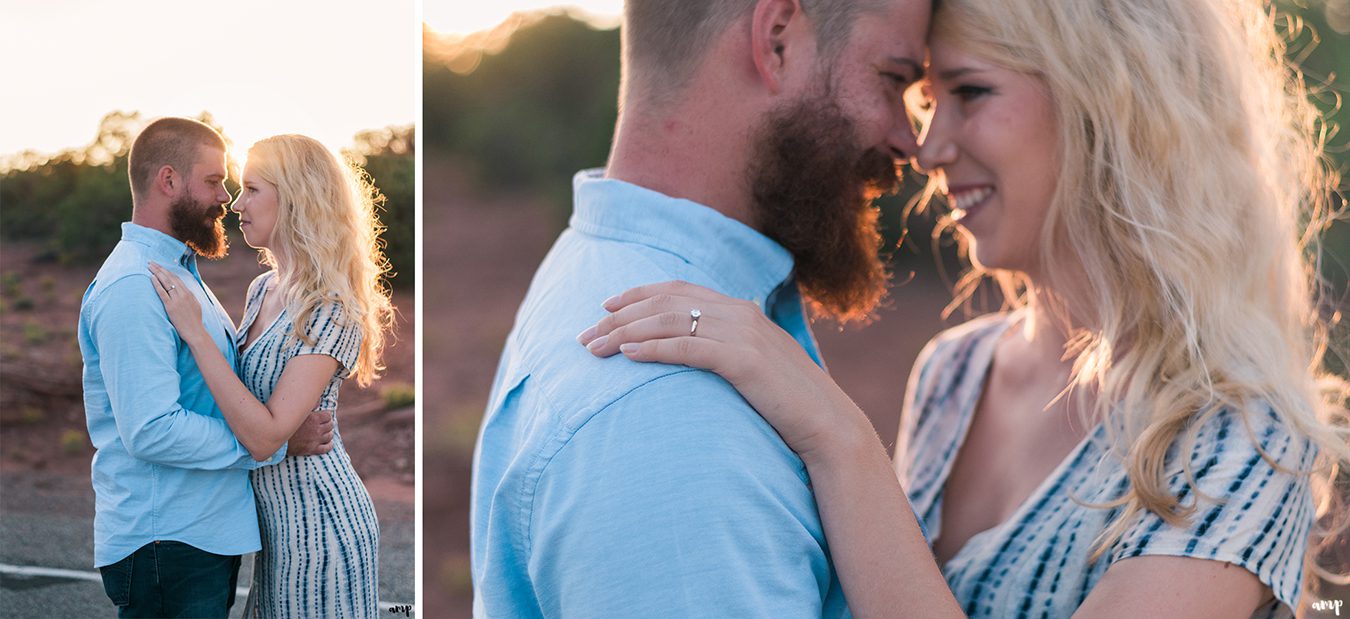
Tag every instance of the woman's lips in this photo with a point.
(966, 201)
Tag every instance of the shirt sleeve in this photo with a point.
(333, 334)
(138, 350)
(677, 501)
(1252, 514)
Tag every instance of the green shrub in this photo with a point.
(398, 395)
(73, 442)
(35, 333)
(31, 415)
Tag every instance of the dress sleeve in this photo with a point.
(1249, 512)
(335, 334)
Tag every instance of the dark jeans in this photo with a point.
(172, 579)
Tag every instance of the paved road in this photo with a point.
(46, 520)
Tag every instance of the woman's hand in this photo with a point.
(184, 311)
(735, 340)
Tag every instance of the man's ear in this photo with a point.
(777, 27)
(167, 180)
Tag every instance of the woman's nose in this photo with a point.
(935, 150)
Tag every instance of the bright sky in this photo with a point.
(323, 68)
(466, 16)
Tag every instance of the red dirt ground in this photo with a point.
(41, 410)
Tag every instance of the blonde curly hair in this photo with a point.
(1192, 188)
(328, 230)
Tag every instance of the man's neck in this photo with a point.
(155, 219)
(685, 154)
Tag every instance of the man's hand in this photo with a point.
(314, 437)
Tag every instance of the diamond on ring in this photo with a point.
(693, 326)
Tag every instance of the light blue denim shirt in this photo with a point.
(610, 488)
(167, 466)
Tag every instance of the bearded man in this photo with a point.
(174, 508)
(752, 135)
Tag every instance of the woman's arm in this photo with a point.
(1174, 587)
(878, 550)
(261, 428)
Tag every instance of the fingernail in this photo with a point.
(587, 335)
(598, 343)
(629, 348)
(608, 304)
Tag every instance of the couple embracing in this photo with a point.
(215, 441)
(1148, 430)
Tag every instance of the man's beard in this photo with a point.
(813, 187)
(199, 225)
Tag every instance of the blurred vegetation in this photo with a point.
(398, 395)
(388, 155)
(74, 441)
(74, 201)
(522, 108)
(529, 116)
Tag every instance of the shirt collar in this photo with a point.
(162, 246)
(748, 264)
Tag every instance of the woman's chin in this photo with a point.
(984, 256)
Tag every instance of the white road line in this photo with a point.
(53, 572)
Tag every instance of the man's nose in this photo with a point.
(904, 145)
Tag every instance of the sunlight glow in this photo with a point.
(323, 69)
(463, 18)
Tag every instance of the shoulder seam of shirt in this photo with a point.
(701, 269)
(95, 296)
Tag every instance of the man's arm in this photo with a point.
(677, 500)
(138, 350)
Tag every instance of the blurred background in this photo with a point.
(340, 71)
(520, 95)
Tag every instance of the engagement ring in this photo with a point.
(693, 328)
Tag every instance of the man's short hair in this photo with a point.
(665, 40)
(168, 141)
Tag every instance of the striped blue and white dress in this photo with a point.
(320, 537)
(1037, 563)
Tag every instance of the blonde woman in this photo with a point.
(1149, 432)
(315, 319)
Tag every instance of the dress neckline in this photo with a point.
(252, 315)
(967, 419)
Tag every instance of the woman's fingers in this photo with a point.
(695, 352)
(160, 290)
(675, 288)
(180, 305)
(639, 310)
(167, 281)
(658, 326)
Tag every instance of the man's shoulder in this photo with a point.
(566, 298)
(683, 415)
(126, 264)
(615, 398)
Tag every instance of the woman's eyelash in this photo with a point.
(969, 91)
